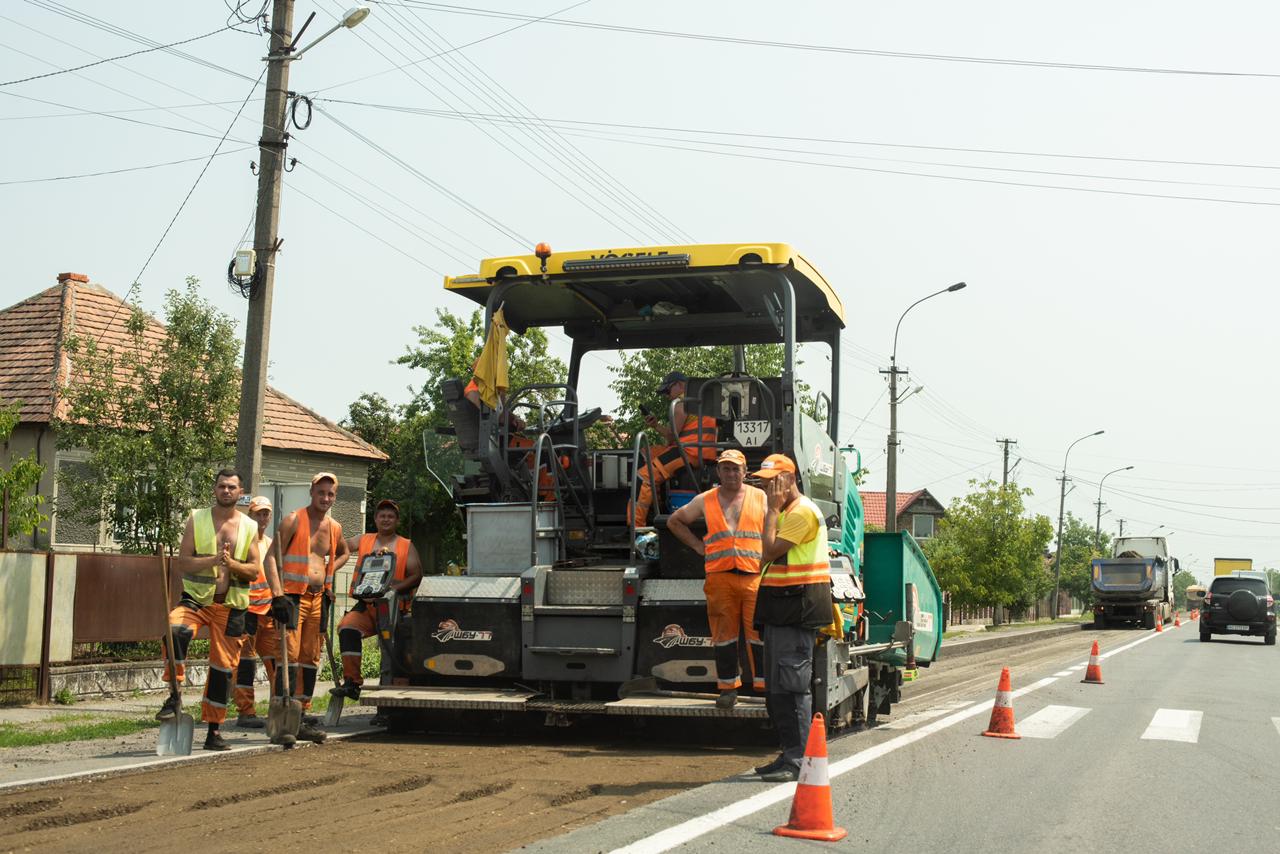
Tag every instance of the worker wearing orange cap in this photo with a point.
(682, 438)
(309, 548)
(734, 513)
(361, 622)
(261, 636)
(794, 601)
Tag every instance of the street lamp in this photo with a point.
(1062, 506)
(891, 479)
(1097, 525)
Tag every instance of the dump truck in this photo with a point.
(1135, 584)
(1231, 565)
(565, 608)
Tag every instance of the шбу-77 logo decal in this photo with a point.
(673, 635)
(448, 631)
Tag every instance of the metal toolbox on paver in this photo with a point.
(466, 628)
(673, 637)
(500, 537)
(900, 586)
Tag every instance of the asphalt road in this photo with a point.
(1183, 740)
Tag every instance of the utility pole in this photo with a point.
(1121, 521)
(891, 479)
(1097, 522)
(1004, 480)
(272, 146)
(1062, 507)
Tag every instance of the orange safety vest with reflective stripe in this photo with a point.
(734, 550)
(695, 425)
(260, 590)
(805, 563)
(297, 554)
(365, 548)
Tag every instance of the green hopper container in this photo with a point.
(900, 586)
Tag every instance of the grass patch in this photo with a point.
(16, 735)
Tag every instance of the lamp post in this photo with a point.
(266, 242)
(1097, 525)
(891, 478)
(1062, 506)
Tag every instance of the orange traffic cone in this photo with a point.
(1093, 673)
(811, 807)
(1177, 619)
(1001, 725)
(1159, 624)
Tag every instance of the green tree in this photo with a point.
(17, 482)
(407, 433)
(986, 552)
(1181, 582)
(153, 415)
(1077, 557)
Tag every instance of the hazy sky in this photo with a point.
(1124, 308)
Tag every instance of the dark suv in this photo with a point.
(1238, 605)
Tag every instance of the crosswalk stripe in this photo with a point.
(1276, 721)
(1061, 673)
(1050, 722)
(927, 715)
(1174, 725)
(1076, 668)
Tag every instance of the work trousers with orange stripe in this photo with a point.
(357, 624)
(668, 460)
(261, 640)
(226, 629)
(731, 609)
(306, 644)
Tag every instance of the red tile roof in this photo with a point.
(873, 505)
(33, 365)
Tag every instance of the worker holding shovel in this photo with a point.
(219, 560)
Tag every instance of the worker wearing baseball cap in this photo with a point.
(794, 601)
(682, 438)
(361, 621)
(734, 513)
(261, 637)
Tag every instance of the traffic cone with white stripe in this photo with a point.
(1001, 725)
(811, 808)
(1177, 619)
(1159, 624)
(1093, 673)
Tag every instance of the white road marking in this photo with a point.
(1276, 721)
(1062, 673)
(911, 720)
(1050, 722)
(685, 831)
(1075, 668)
(1174, 725)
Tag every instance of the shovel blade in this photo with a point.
(284, 716)
(639, 685)
(334, 713)
(176, 736)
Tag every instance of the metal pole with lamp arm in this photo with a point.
(891, 478)
(1062, 506)
(1097, 525)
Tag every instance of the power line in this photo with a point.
(120, 171)
(818, 48)
(110, 58)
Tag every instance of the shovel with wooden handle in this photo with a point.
(284, 713)
(176, 733)
(337, 696)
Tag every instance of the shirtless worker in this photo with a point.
(735, 525)
(261, 637)
(218, 559)
(681, 441)
(361, 621)
(309, 548)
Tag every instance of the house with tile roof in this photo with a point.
(918, 512)
(34, 367)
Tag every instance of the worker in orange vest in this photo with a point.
(361, 621)
(218, 559)
(310, 547)
(261, 637)
(734, 513)
(682, 438)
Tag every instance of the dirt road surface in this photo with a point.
(477, 792)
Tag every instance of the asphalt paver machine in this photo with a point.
(564, 608)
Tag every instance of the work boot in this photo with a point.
(249, 722)
(348, 689)
(170, 709)
(772, 766)
(789, 772)
(310, 732)
(311, 720)
(215, 741)
(727, 700)
(380, 719)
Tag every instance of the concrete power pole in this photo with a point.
(1121, 521)
(891, 478)
(1004, 479)
(272, 146)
